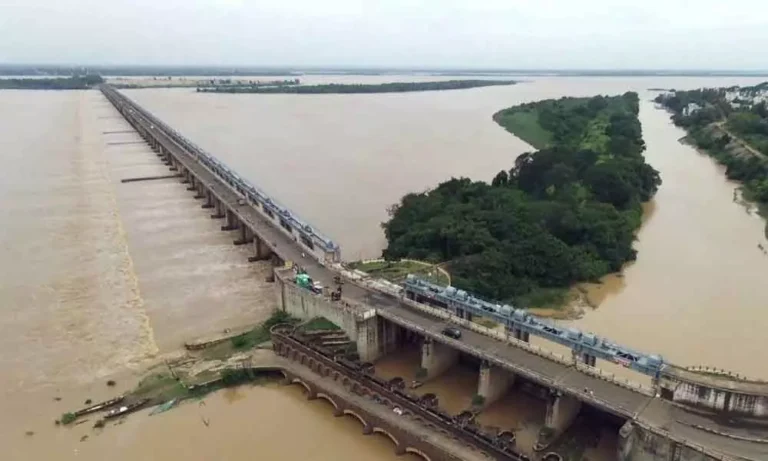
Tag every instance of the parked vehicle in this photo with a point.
(452, 332)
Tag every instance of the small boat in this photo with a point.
(125, 409)
(99, 406)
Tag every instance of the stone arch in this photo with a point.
(311, 364)
(345, 382)
(325, 371)
(306, 386)
(378, 430)
(418, 453)
(322, 395)
(303, 359)
(356, 416)
(336, 375)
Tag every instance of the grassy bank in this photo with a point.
(524, 123)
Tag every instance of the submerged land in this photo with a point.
(564, 214)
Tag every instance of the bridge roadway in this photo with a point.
(658, 415)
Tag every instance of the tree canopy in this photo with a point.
(563, 214)
(76, 82)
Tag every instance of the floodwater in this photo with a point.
(696, 294)
(99, 278)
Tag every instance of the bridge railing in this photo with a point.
(372, 284)
(243, 186)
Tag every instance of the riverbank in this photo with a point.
(745, 194)
(728, 124)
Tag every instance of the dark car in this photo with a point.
(452, 332)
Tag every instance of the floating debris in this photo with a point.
(164, 407)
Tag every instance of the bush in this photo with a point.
(478, 400)
(235, 376)
(239, 342)
(68, 418)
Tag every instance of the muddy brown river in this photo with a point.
(97, 277)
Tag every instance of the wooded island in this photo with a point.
(564, 214)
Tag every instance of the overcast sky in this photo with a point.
(561, 34)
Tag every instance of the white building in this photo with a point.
(690, 109)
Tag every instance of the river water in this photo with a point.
(97, 277)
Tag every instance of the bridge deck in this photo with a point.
(658, 414)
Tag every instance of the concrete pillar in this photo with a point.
(208, 200)
(517, 333)
(192, 183)
(219, 209)
(626, 442)
(246, 235)
(200, 188)
(232, 222)
(587, 359)
(494, 382)
(262, 250)
(561, 411)
(376, 337)
(436, 357)
(368, 339)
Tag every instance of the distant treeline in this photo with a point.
(354, 88)
(136, 71)
(76, 82)
(239, 86)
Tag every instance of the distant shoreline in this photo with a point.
(51, 70)
(74, 82)
(356, 88)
